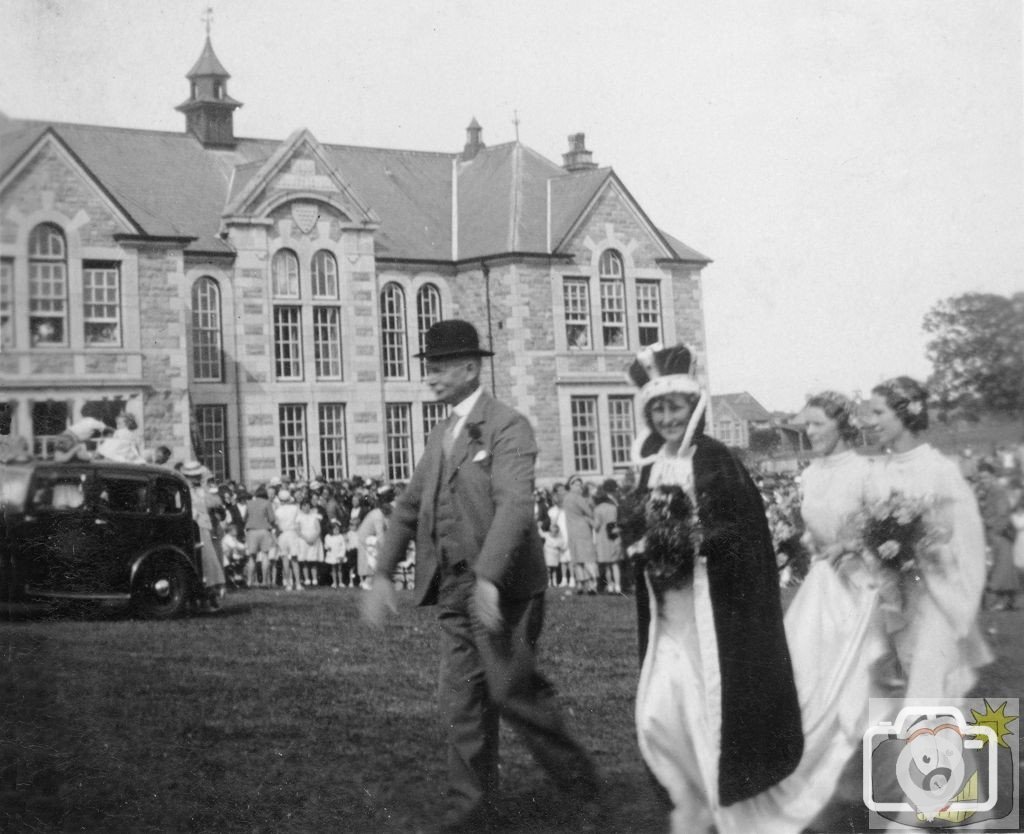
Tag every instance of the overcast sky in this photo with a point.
(845, 163)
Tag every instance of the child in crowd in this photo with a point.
(335, 544)
(350, 567)
(555, 546)
(286, 520)
(233, 553)
(310, 549)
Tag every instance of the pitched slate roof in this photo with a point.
(411, 193)
(684, 252)
(743, 405)
(503, 201)
(171, 186)
(570, 195)
(166, 182)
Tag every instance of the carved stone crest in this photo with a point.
(305, 216)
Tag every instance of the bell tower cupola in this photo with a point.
(209, 110)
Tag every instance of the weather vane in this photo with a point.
(207, 18)
(515, 121)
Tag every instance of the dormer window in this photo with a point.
(194, 90)
(218, 90)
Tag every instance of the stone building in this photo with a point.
(258, 302)
(736, 417)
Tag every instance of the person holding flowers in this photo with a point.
(718, 722)
(923, 527)
(832, 625)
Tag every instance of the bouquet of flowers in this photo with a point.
(896, 533)
(672, 538)
(792, 555)
(899, 534)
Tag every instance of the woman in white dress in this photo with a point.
(833, 629)
(308, 542)
(717, 716)
(940, 646)
(286, 518)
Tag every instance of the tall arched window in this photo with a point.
(207, 358)
(324, 273)
(428, 312)
(392, 332)
(613, 299)
(47, 286)
(284, 271)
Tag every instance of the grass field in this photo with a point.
(282, 712)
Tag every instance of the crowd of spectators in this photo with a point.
(297, 534)
(998, 482)
(294, 534)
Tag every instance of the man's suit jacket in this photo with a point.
(489, 479)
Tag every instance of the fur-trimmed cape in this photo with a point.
(761, 735)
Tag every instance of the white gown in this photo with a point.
(834, 636)
(941, 647)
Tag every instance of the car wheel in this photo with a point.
(162, 591)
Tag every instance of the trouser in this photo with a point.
(487, 675)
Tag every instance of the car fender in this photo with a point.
(170, 553)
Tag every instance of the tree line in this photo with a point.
(976, 348)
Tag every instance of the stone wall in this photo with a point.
(162, 340)
(48, 183)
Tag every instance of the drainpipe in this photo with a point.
(239, 420)
(380, 373)
(490, 331)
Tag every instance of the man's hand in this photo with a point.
(379, 601)
(486, 603)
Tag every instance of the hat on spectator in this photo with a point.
(284, 495)
(274, 481)
(450, 339)
(193, 469)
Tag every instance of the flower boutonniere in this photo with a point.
(475, 436)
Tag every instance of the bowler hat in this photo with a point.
(452, 338)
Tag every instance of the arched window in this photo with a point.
(613, 299)
(207, 358)
(47, 286)
(392, 332)
(324, 271)
(428, 312)
(284, 271)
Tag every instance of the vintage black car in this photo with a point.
(99, 530)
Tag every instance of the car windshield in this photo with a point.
(13, 488)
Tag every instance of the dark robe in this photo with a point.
(761, 735)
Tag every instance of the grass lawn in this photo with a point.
(283, 713)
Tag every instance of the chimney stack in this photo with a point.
(578, 158)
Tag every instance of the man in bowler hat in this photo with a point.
(479, 558)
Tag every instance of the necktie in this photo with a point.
(449, 435)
